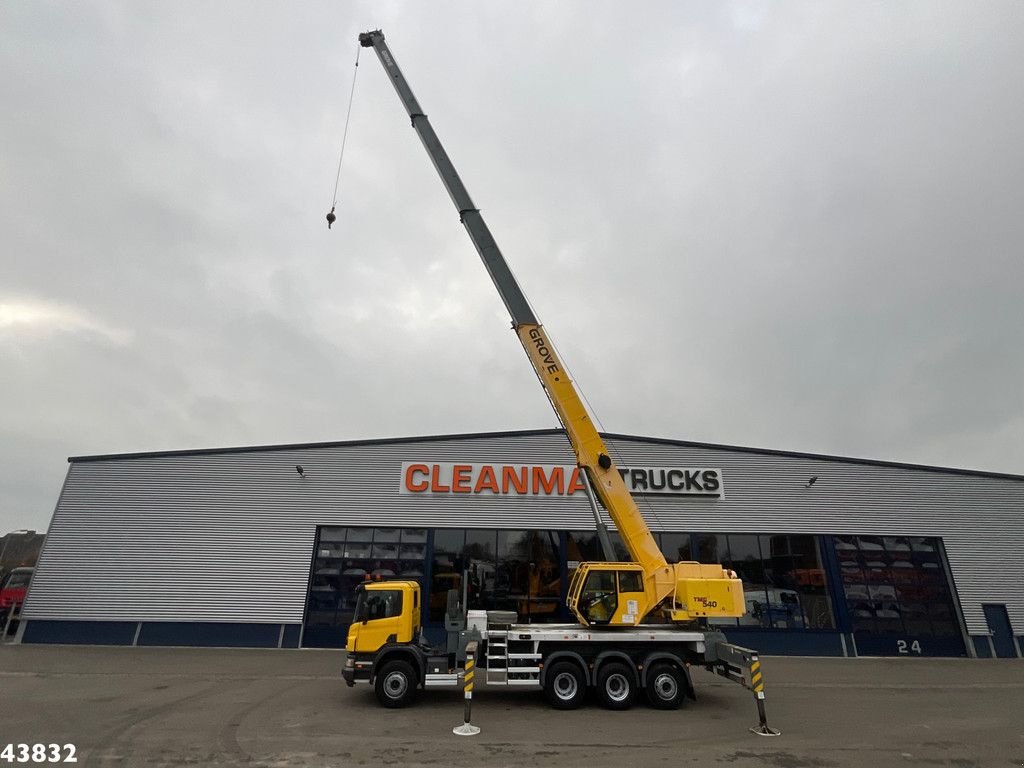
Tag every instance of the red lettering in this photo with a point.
(460, 478)
(548, 484)
(519, 481)
(416, 469)
(576, 482)
(486, 480)
(435, 481)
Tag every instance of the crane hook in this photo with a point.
(331, 218)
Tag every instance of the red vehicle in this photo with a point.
(14, 587)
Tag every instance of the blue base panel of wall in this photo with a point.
(80, 632)
(772, 643)
(908, 645)
(156, 633)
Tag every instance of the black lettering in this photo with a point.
(693, 480)
(639, 479)
(654, 485)
(623, 471)
(710, 478)
(675, 479)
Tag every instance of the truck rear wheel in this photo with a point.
(616, 686)
(666, 687)
(395, 684)
(564, 685)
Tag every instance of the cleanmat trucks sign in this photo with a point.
(550, 480)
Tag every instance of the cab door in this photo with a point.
(378, 616)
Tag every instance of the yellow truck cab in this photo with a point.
(381, 644)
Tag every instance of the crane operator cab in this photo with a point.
(618, 594)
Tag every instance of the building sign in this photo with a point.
(550, 480)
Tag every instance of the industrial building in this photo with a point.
(263, 546)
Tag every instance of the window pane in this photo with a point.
(630, 581)
(745, 559)
(389, 551)
(796, 585)
(449, 540)
(479, 561)
(332, 534)
(676, 547)
(513, 544)
(711, 548)
(446, 570)
(528, 575)
(481, 544)
(385, 534)
(582, 547)
(357, 550)
(621, 553)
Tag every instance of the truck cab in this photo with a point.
(386, 612)
(383, 638)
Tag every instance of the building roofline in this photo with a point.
(538, 432)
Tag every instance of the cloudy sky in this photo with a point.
(787, 225)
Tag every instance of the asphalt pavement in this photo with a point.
(227, 707)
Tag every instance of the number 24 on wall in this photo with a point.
(913, 647)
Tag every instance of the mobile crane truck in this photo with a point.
(641, 624)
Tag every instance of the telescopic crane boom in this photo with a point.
(600, 593)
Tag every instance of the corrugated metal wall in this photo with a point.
(229, 536)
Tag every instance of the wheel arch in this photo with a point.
(606, 656)
(565, 656)
(400, 653)
(655, 657)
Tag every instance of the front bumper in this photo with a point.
(356, 670)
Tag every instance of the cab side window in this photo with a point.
(630, 581)
(383, 604)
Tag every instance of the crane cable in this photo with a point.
(348, 116)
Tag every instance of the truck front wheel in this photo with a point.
(395, 685)
(616, 686)
(564, 685)
(666, 686)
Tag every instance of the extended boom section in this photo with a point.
(609, 594)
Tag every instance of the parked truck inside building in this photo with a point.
(640, 625)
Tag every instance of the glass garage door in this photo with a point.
(898, 597)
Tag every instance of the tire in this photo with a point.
(666, 686)
(395, 684)
(616, 686)
(565, 686)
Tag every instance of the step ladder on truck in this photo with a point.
(639, 625)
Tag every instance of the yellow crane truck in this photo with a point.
(641, 624)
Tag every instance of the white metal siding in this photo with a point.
(229, 536)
